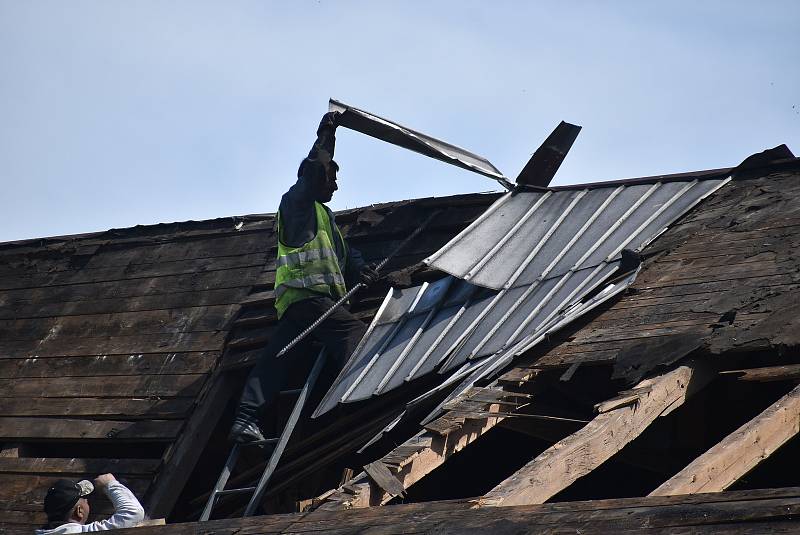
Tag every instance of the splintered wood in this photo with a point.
(415, 458)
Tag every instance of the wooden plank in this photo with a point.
(143, 386)
(73, 429)
(138, 260)
(74, 467)
(98, 408)
(380, 474)
(80, 287)
(678, 260)
(738, 453)
(128, 288)
(177, 342)
(189, 319)
(580, 453)
(27, 492)
(727, 282)
(789, 372)
(108, 365)
(200, 297)
(625, 516)
(654, 290)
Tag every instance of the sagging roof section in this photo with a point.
(523, 269)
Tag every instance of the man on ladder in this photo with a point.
(313, 269)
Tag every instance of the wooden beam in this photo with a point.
(580, 453)
(380, 474)
(20, 429)
(408, 463)
(65, 467)
(730, 513)
(789, 372)
(724, 464)
(180, 459)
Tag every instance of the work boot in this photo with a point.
(245, 427)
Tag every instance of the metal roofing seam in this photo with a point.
(511, 233)
(545, 272)
(499, 296)
(650, 219)
(382, 347)
(582, 230)
(438, 340)
(401, 358)
(480, 219)
(615, 226)
(562, 281)
(535, 251)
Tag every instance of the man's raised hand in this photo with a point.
(329, 120)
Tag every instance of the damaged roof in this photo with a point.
(516, 271)
(190, 303)
(110, 342)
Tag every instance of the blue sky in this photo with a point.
(114, 114)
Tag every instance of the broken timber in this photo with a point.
(580, 453)
(723, 465)
(408, 463)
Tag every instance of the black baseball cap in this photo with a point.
(63, 496)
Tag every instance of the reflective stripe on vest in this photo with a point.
(311, 269)
(327, 279)
(306, 256)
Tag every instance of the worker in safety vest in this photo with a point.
(314, 268)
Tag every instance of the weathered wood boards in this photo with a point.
(789, 372)
(105, 342)
(733, 255)
(580, 453)
(724, 464)
(739, 513)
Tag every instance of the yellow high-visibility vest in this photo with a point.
(311, 269)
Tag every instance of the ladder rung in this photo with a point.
(292, 392)
(235, 491)
(260, 442)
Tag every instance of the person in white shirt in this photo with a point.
(67, 506)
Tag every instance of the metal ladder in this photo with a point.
(258, 490)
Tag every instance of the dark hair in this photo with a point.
(313, 169)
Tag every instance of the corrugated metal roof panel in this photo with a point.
(537, 258)
(526, 236)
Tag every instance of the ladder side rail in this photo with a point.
(286, 434)
(221, 482)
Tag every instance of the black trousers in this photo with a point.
(340, 333)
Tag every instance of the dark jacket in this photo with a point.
(298, 217)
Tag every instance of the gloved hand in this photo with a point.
(329, 120)
(369, 274)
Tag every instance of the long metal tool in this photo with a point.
(300, 337)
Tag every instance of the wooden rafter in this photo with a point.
(737, 454)
(580, 453)
(466, 419)
(408, 463)
(788, 372)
